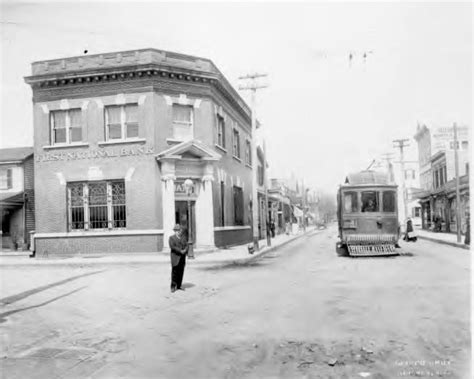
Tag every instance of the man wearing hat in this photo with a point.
(179, 249)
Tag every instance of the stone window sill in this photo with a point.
(66, 146)
(122, 141)
(221, 148)
(237, 158)
(248, 165)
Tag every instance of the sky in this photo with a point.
(323, 114)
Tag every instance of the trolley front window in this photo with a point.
(388, 201)
(369, 201)
(350, 202)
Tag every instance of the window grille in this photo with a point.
(76, 194)
(97, 205)
(118, 205)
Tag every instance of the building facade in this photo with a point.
(279, 204)
(128, 144)
(438, 177)
(17, 197)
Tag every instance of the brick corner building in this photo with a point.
(116, 135)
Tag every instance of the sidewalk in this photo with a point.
(233, 255)
(443, 238)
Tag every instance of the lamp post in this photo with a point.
(189, 187)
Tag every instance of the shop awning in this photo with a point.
(297, 212)
(11, 199)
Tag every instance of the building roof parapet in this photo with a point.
(130, 64)
(121, 59)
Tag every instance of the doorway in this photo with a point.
(182, 218)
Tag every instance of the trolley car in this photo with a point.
(367, 215)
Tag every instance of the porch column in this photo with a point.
(167, 183)
(205, 214)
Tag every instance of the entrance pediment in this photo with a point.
(193, 149)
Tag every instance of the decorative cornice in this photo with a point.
(102, 75)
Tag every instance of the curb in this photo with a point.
(154, 259)
(265, 251)
(454, 244)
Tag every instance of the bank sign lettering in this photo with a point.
(93, 154)
(179, 188)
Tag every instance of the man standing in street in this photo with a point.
(179, 249)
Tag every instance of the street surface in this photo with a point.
(300, 312)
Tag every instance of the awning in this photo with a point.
(297, 212)
(11, 199)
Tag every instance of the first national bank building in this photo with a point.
(116, 135)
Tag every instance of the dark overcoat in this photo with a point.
(176, 246)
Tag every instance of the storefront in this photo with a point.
(438, 207)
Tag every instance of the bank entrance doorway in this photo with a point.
(182, 217)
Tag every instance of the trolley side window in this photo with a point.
(350, 202)
(369, 201)
(388, 200)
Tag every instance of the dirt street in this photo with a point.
(300, 312)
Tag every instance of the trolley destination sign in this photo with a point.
(95, 153)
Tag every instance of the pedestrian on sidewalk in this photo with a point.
(179, 249)
(410, 235)
(272, 228)
(467, 238)
(287, 228)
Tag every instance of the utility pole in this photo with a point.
(253, 86)
(458, 196)
(401, 143)
(388, 158)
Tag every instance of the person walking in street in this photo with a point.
(179, 249)
(410, 235)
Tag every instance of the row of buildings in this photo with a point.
(128, 144)
(430, 181)
(437, 194)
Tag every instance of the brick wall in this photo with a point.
(98, 245)
(55, 167)
(29, 167)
